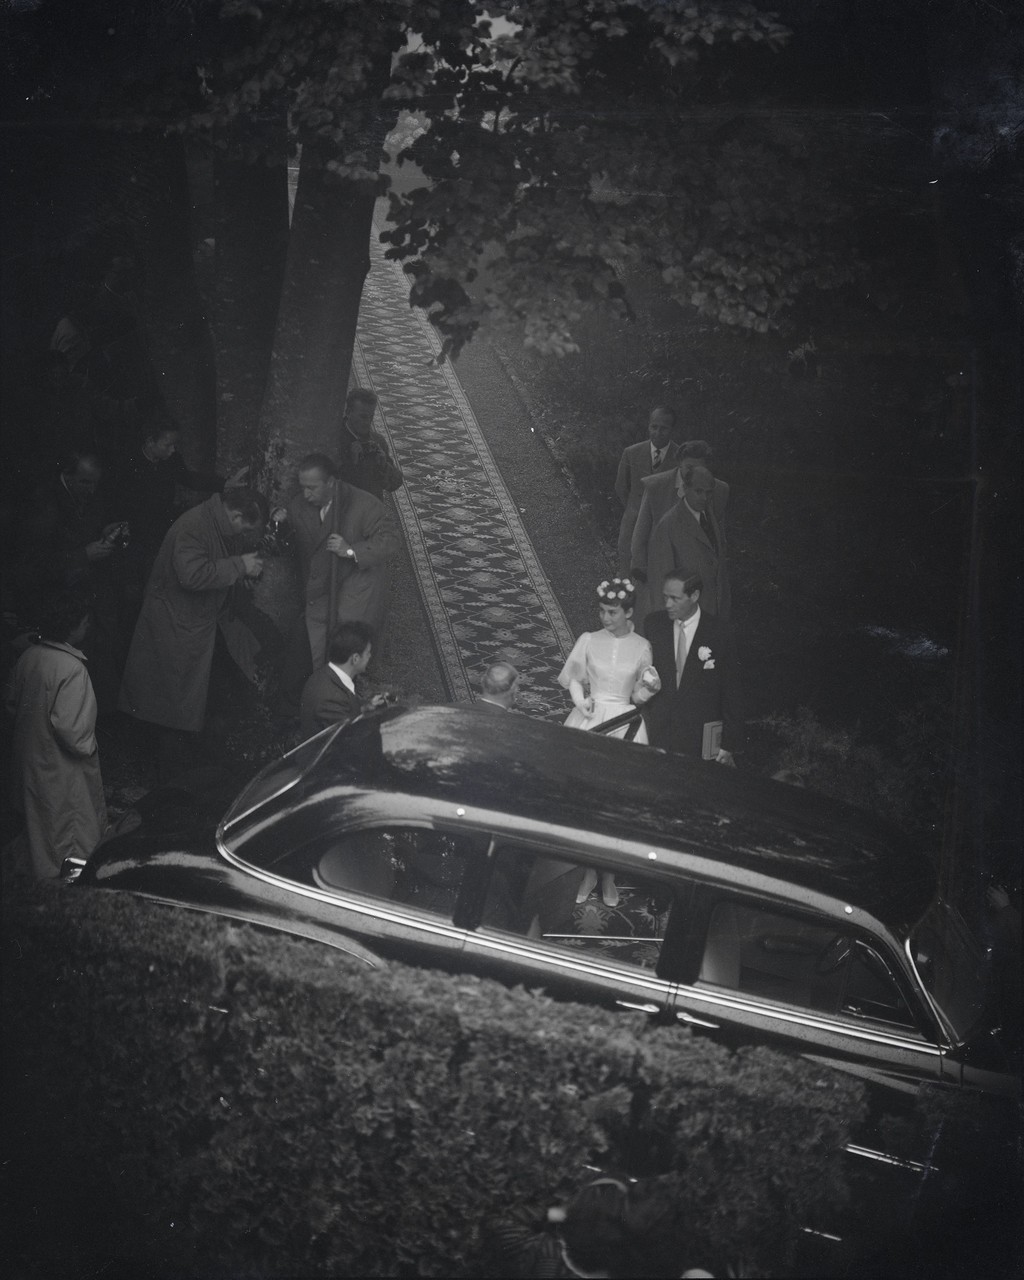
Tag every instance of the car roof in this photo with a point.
(531, 768)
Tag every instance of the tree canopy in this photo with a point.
(559, 144)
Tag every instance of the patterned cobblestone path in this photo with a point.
(481, 582)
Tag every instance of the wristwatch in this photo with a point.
(350, 554)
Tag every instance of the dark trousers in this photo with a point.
(296, 668)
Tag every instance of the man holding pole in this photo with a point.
(342, 540)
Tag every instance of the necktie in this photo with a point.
(657, 459)
(680, 653)
(705, 524)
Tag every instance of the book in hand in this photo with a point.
(712, 743)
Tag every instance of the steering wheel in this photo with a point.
(834, 954)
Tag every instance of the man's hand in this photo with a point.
(253, 564)
(98, 550)
(337, 544)
(279, 515)
(725, 757)
(236, 478)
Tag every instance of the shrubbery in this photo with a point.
(202, 1099)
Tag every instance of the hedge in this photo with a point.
(197, 1098)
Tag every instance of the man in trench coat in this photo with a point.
(342, 532)
(689, 538)
(167, 675)
(56, 770)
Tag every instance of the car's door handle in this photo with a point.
(693, 1021)
(638, 1008)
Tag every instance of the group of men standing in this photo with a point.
(342, 540)
(673, 517)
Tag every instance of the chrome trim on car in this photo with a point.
(558, 959)
(818, 1022)
(882, 1157)
(364, 906)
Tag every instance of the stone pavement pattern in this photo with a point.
(481, 583)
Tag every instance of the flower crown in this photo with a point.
(617, 591)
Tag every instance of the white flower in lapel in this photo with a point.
(704, 653)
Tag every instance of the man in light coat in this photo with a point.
(56, 768)
(654, 456)
(689, 538)
(658, 497)
(343, 542)
(167, 676)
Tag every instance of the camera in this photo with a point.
(276, 539)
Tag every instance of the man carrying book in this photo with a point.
(698, 711)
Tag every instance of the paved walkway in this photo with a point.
(483, 589)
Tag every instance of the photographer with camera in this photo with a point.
(364, 457)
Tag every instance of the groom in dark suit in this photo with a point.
(694, 655)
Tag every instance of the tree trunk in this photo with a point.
(250, 228)
(180, 344)
(328, 261)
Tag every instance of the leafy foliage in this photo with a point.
(559, 144)
(247, 1104)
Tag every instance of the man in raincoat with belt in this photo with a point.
(167, 676)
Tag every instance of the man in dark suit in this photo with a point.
(694, 655)
(364, 459)
(330, 693)
(654, 456)
(691, 540)
(499, 687)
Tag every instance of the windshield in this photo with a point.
(276, 778)
(953, 967)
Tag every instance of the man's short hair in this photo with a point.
(71, 460)
(499, 678)
(249, 504)
(361, 395)
(691, 466)
(61, 612)
(318, 462)
(665, 408)
(689, 584)
(698, 450)
(157, 424)
(350, 638)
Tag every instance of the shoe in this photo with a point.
(609, 891)
(588, 885)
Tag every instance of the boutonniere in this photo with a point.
(704, 653)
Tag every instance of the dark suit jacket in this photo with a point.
(675, 717)
(325, 700)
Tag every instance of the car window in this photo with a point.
(532, 892)
(789, 959)
(416, 866)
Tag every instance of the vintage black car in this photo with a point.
(458, 837)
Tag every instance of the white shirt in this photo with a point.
(689, 627)
(657, 455)
(343, 676)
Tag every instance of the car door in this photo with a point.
(527, 927)
(769, 974)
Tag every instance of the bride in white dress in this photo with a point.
(607, 673)
(604, 669)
